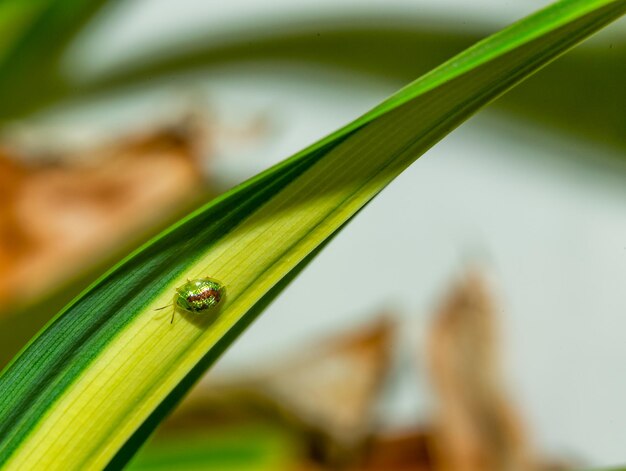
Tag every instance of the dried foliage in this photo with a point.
(62, 214)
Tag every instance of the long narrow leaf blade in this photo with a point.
(107, 368)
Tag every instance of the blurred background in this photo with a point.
(473, 314)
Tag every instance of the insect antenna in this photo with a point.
(161, 308)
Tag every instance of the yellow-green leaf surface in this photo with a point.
(100, 376)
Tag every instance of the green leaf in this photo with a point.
(259, 447)
(33, 36)
(87, 391)
(15, 20)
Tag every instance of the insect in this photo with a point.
(197, 296)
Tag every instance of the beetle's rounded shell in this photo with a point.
(199, 295)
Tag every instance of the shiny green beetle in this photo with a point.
(198, 296)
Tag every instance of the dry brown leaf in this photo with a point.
(335, 385)
(59, 218)
(477, 428)
(327, 394)
(398, 451)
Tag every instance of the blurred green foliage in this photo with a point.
(239, 448)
